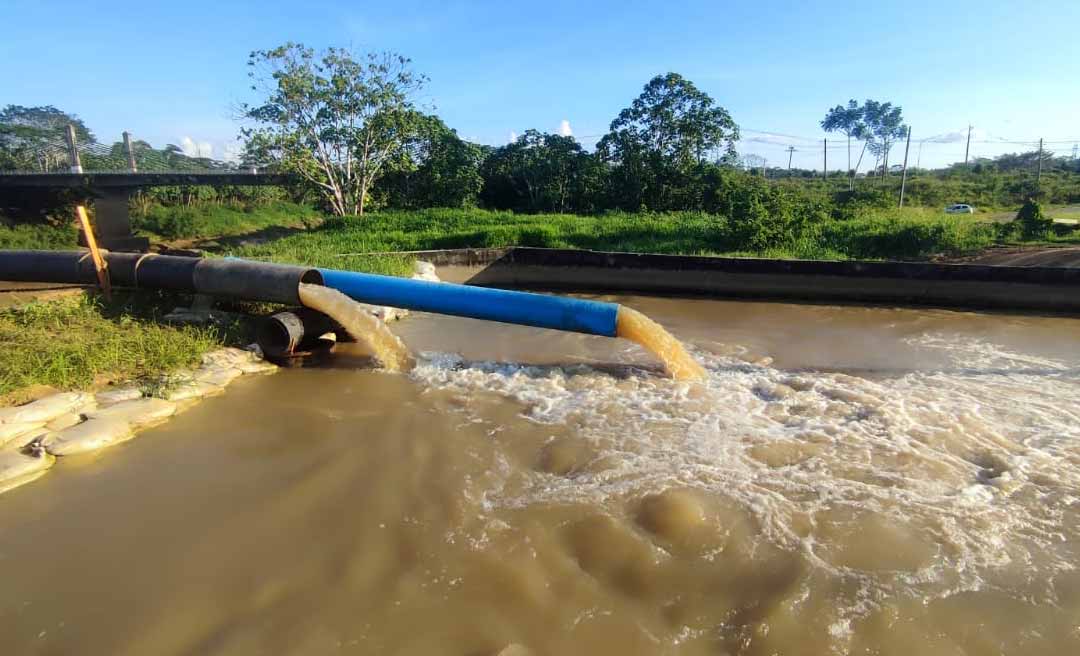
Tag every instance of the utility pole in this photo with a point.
(1038, 176)
(903, 179)
(73, 151)
(790, 152)
(967, 149)
(130, 153)
(763, 163)
(825, 159)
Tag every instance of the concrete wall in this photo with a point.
(1042, 289)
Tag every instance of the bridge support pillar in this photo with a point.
(113, 222)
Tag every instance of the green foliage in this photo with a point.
(212, 220)
(1033, 223)
(540, 173)
(654, 145)
(72, 342)
(762, 222)
(334, 119)
(33, 138)
(435, 168)
(38, 236)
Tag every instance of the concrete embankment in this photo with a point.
(1042, 289)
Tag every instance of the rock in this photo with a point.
(13, 431)
(193, 390)
(19, 467)
(91, 435)
(217, 375)
(66, 420)
(126, 393)
(137, 413)
(44, 410)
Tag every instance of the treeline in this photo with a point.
(346, 128)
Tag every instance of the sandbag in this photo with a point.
(218, 375)
(46, 409)
(228, 357)
(19, 467)
(91, 435)
(256, 367)
(9, 433)
(193, 390)
(137, 413)
(66, 420)
(126, 393)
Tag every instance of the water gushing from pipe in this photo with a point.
(361, 324)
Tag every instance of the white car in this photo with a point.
(959, 208)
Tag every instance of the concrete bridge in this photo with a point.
(111, 191)
(122, 169)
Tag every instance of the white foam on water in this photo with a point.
(978, 462)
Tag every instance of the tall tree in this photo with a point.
(334, 118)
(661, 136)
(538, 172)
(35, 137)
(436, 168)
(885, 123)
(848, 120)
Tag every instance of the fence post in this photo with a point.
(130, 153)
(903, 180)
(73, 151)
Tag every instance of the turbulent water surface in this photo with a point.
(845, 480)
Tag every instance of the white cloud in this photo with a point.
(564, 128)
(513, 137)
(194, 148)
(959, 136)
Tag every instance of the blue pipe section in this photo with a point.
(540, 310)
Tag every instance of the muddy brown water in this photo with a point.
(893, 482)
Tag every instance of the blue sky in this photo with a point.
(170, 72)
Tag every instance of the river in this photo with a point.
(846, 480)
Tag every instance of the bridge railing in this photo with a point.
(66, 154)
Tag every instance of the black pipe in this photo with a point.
(239, 279)
(164, 272)
(284, 333)
(276, 283)
(47, 266)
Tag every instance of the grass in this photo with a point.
(214, 220)
(911, 233)
(38, 236)
(79, 341)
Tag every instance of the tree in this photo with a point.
(886, 124)
(666, 131)
(335, 119)
(35, 137)
(436, 168)
(539, 172)
(849, 121)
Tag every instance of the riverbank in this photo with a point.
(80, 341)
(909, 234)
